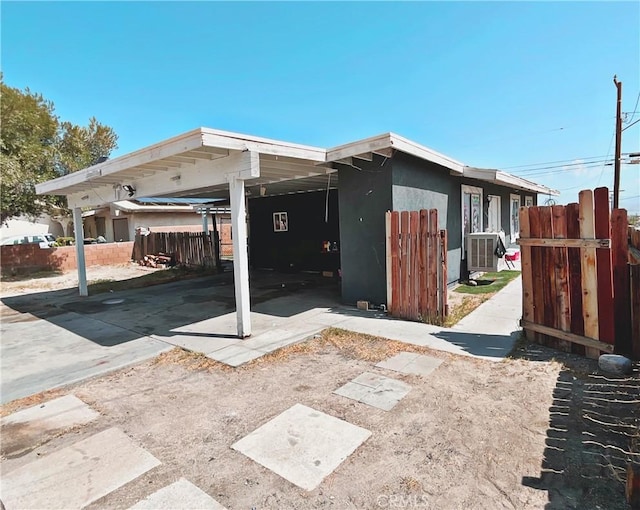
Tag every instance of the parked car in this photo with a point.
(44, 240)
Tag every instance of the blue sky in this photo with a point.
(492, 84)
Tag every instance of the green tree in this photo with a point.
(36, 146)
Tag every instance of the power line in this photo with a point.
(608, 152)
(552, 162)
(635, 108)
(567, 166)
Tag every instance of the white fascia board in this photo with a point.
(348, 150)
(172, 147)
(519, 182)
(506, 179)
(405, 145)
(204, 174)
(236, 141)
(393, 141)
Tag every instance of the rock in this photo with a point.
(615, 364)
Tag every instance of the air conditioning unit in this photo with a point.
(481, 251)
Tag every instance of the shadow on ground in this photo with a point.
(593, 433)
(164, 308)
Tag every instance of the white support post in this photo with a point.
(205, 220)
(79, 235)
(240, 255)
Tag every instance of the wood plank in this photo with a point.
(424, 256)
(588, 272)
(621, 281)
(432, 288)
(549, 288)
(575, 276)
(389, 274)
(394, 306)
(444, 306)
(635, 311)
(566, 243)
(561, 280)
(414, 227)
(527, 276)
(590, 343)
(404, 264)
(602, 219)
(537, 270)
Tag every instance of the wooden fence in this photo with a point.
(416, 266)
(576, 277)
(187, 248)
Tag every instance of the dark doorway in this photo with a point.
(121, 229)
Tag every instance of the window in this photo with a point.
(471, 211)
(515, 217)
(528, 201)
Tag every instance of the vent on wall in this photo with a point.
(481, 252)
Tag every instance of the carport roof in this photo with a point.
(184, 161)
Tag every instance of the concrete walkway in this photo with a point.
(489, 332)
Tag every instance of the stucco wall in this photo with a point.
(418, 184)
(364, 197)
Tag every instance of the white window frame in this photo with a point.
(512, 197)
(499, 202)
(464, 188)
(528, 201)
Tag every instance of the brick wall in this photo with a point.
(26, 258)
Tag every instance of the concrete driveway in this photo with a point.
(51, 339)
(55, 338)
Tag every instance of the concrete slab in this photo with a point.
(42, 354)
(375, 390)
(411, 363)
(181, 495)
(235, 355)
(31, 426)
(302, 445)
(77, 475)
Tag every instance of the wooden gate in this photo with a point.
(416, 266)
(575, 276)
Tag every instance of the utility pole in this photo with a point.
(616, 163)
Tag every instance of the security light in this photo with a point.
(129, 189)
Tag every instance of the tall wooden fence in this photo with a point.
(416, 266)
(187, 248)
(575, 276)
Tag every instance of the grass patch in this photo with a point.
(500, 278)
(155, 278)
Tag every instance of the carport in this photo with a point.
(200, 163)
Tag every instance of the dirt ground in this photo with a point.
(474, 434)
(45, 281)
(543, 429)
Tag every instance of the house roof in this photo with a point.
(505, 179)
(201, 162)
(385, 144)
